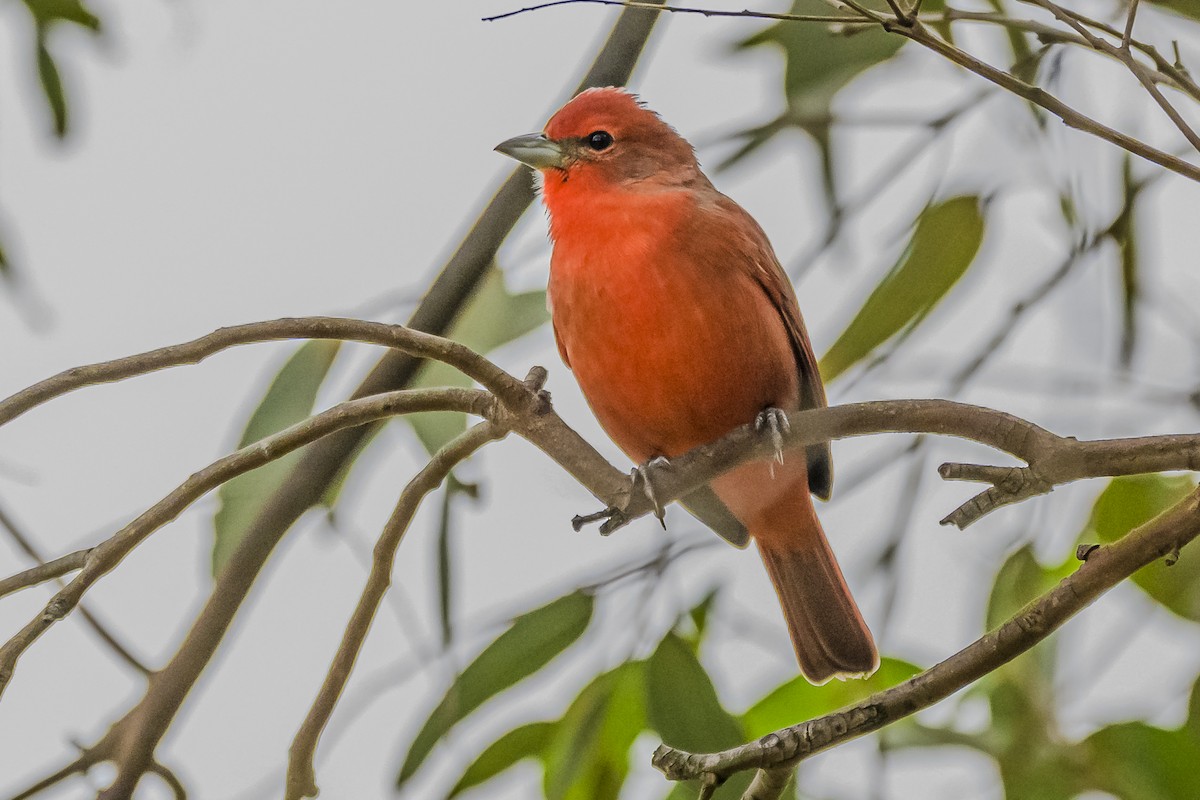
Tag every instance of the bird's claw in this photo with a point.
(775, 424)
(613, 518)
(642, 475)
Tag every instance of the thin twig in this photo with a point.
(301, 774)
(916, 31)
(108, 554)
(397, 337)
(118, 648)
(1104, 568)
(46, 571)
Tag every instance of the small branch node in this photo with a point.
(1084, 551)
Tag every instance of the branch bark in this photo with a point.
(1104, 568)
(301, 778)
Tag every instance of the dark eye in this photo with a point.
(599, 140)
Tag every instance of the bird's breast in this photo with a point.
(672, 348)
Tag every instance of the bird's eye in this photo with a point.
(599, 140)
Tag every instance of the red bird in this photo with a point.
(673, 312)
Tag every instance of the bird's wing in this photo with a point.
(775, 283)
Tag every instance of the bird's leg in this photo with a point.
(642, 474)
(774, 423)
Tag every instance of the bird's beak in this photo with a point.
(533, 149)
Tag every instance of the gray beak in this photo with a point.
(533, 149)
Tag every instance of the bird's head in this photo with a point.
(605, 138)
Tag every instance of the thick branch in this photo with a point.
(1052, 460)
(1105, 567)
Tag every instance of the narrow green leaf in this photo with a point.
(493, 317)
(798, 700)
(52, 86)
(1131, 501)
(527, 741)
(682, 706)
(288, 400)
(46, 12)
(532, 642)
(589, 758)
(942, 247)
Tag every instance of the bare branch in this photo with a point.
(108, 554)
(119, 649)
(1052, 460)
(397, 337)
(915, 30)
(301, 779)
(1105, 567)
(46, 571)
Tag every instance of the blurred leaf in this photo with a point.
(819, 62)
(942, 247)
(288, 400)
(798, 700)
(1134, 500)
(1187, 8)
(699, 617)
(527, 741)
(46, 14)
(1135, 761)
(589, 757)
(493, 317)
(534, 639)
(682, 706)
(52, 86)
(1021, 580)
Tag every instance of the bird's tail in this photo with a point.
(828, 632)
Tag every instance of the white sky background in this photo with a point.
(243, 161)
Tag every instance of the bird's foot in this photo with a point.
(613, 518)
(773, 422)
(644, 475)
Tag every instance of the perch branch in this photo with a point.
(1105, 567)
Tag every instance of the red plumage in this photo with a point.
(673, 312)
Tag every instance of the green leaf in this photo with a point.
(942, 247)
(1135, 761)
(288, 400)
(589, 758)
(819, 62)
(527, 741)
(1131, 501)
(493, 317)
(1186, 8)
(798, 700)
(534, 639)
(46, 12)
(52, 86)
(682, 706)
